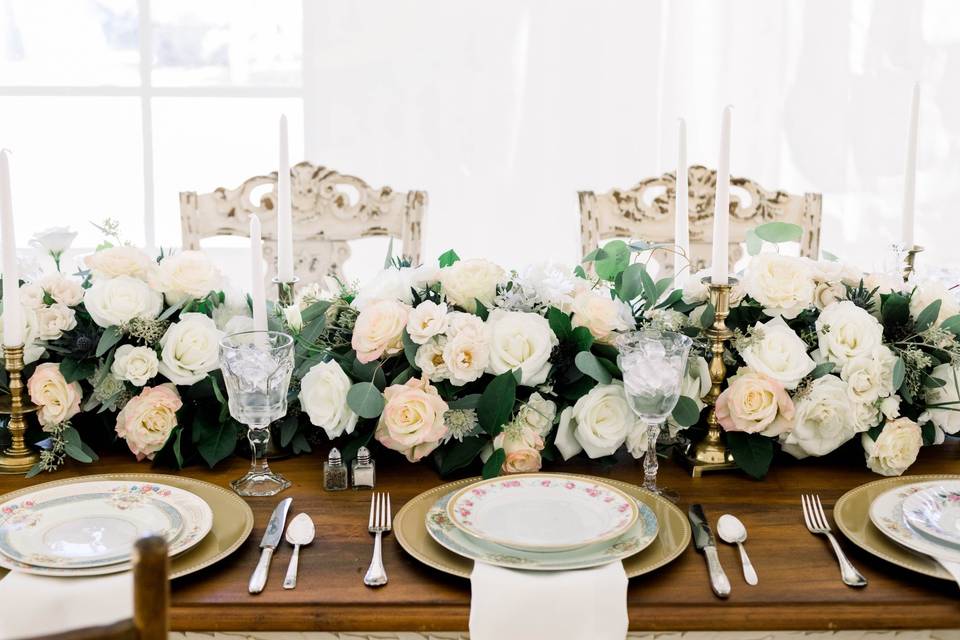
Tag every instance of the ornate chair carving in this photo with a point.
(646, 211)
(328, 208)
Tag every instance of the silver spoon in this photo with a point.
(300, 531)
(732, 531)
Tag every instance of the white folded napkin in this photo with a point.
(37, 605)
(587, 604)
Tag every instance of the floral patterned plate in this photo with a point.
(95, 524)
(935, 512)
(886, 513)
(638, 537)
(542, 512)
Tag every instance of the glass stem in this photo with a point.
(259, 436)
(650, 462)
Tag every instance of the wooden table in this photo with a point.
(799, 586)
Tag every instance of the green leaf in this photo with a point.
(410, 350)
(461, 455)
(875, 431)
(496, 403)
(403, 376)
(751, 451)
(288, 428)
(493, 465)
(299, 444)
(596, 254)
(582, 337)
(928, 432)
(73, 445)
(894, 308)
(388, 259)
(617, 257)
(928, 316)
(481, 310)
(686, 413)
(447, 258)
(777, 232)
(754, 243)
(579, 272)
(631, 282)
(932, 383)
(821, 370)
(709, 315)
(466, 402)
(177, 449)
(169, 311)
(559, 323)
(590, 365)
(110, 337)
(829, 257)
(314, 311)
(365, 400)
(214, 440)
(952, 324)
(899, 373)
(74, 370)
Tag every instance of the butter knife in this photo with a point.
(271, 538)
(703, 540)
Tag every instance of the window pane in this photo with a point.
(75, 161)
(227, 42)
(69, 42)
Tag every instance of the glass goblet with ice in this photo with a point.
(653, 364)
(256, 367)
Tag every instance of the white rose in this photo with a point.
(601, 314)
(696, 384)
(837, 272)
(378, 330)
(323, 395)
(52, 321)
(598, 423)
(466, 281)
(890, 407)
(865, 416)
(846, 331)
(823, 419)
(827, 293)
(459, 322)
(120, 261)
(538, 413)
(522, 341)
(782, 284)
(869, 377)
(119, 300)
(930, 291)
(63, 289)
(943, 403)
(695, 290)
(293, 317)
(427, 320)
(466, 356)
(637, 440)
(186, 275)
(31, 295)
(429, 360)
(895, 449)
(553, 284)
(136, 365)
(395, 284)
(54, 240)
(779, 353)
(189, 350)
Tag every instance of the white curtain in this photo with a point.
(502, 110)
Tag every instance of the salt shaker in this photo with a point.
(364, 472)
(334, 472)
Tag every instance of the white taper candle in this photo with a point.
(12, 312)
(681, 258)
(257, 294)
(284, 216)
(721, 211)
(910, 171)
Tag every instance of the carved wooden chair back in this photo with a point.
(329, 209)
(151, 599)
(646, 211)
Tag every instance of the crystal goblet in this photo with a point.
(256, 367)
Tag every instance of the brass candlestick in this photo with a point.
(909, 262)
(711, 454)
(17, 458)
(285, 291)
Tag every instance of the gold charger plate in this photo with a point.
(852, 515)
(232, 519)
(410, 530)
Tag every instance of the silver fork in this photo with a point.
(381, 521)
(817, 522)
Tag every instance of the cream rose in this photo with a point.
(522, 341)
(466, 281)
(869, 377)
(147, 420)
(823, 420)
(522, 445)
(52, 321)
(379, 330)
(190, 349)
(537, 413)
(778, 353)
(323, 396)
(412, 419)
(31, 295)
(58, 400)
(601, 314)
(136, 365)
(429, 360)
(930, 291)
(943, 403)
(427, 320)
(752, 402)
(119, 300)
(120, 261)
(846, 331)
(63, 289)
(598, 423)
(185, 276)
(782, 284)
(466, 356)
(895, 449)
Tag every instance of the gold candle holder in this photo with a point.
(909, 262)
(17, 458)
(711, 453)
(285, 291)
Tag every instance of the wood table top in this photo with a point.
(799, 587)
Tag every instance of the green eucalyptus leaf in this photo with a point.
(686, 413)
(751, 451)
(560, 323)
(617, 257)
(899, 373)
(952, 324)
(111, 336)
(493, 465)
(928, 316)
(590, 365)
(709, 315)
(365, 400)
(821, 370)
(777, 232)
(754, 243)
(461, 454)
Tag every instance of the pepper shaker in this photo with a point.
(334, 472)
(363, 470)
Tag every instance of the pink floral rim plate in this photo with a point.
(887, 512)
(934, 511)
(542, 512)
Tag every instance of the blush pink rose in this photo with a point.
(523, 461)
(522, 445)
(752, 403)
(58, 400)
(412, 420)
(379, 330)
(146, 421)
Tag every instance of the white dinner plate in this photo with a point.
(935, 512)
(886, 513)
(91, 525)
(542, 512)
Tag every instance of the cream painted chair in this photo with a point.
(646, 211)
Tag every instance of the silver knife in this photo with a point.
(271, 538)
(703, 539)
